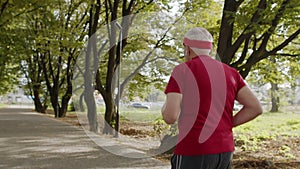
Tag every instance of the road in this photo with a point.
(30, 140)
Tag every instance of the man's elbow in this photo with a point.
(169, 120)
(257, 109)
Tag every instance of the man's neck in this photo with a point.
(194, 56)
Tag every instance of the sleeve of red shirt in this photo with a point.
(172, 86)
(240, 82)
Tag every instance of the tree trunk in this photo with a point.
(64, 106)
(109, 114)
(91, 108)
(292, 100)
(88, 88)
(274, 98)
(81, 106)
(54, 103)
(67, 96)
(37, 101)
(39, 106)
(226, 31)
(91, 55)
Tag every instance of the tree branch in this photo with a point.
(275, 21)
(163, 58)
(22, 12)
(284, 43)
(288, 54)
(145, 60)
(99, 85)
(144, 6)
(243, 55)
(3, 7)
(226, 29)
(248, 31)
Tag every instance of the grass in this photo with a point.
(2, 105)
(268, 125)
(140, 115)
(132, 114)
(272, 124)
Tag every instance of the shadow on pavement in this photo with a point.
(31, 140)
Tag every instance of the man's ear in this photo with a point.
(187, 51)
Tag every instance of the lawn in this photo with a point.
(2, 105)
(140, 115)
(272, 124)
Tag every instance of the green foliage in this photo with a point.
(11, 19)
(43, 35)
(269, 71)
(8, 77)
(71, 107)
(142, 40)
(205, 14)
(161, 128)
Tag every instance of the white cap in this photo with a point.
(199, 40)
(200, 34)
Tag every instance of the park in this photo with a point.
(99, 70)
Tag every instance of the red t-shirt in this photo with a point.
(209, 89)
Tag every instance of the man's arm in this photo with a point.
(172, 107)
(251, 107)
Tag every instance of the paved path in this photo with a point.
(29, 140)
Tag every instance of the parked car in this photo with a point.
(140, 105)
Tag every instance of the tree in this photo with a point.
(134, 44)
(48, 51)
(247, 27)
(131, 14)
(11, 13)
(294, 72)
(271, 72)
(59, 58)
(91, 55)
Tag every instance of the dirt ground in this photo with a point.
(269, 156)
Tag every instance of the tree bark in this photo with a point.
(81, 107)
(37, 100)
(91, 56)
(110, 112)
(226, 30)
(274, 97)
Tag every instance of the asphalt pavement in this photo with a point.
(29, 140)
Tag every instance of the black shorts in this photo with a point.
(210, 161)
